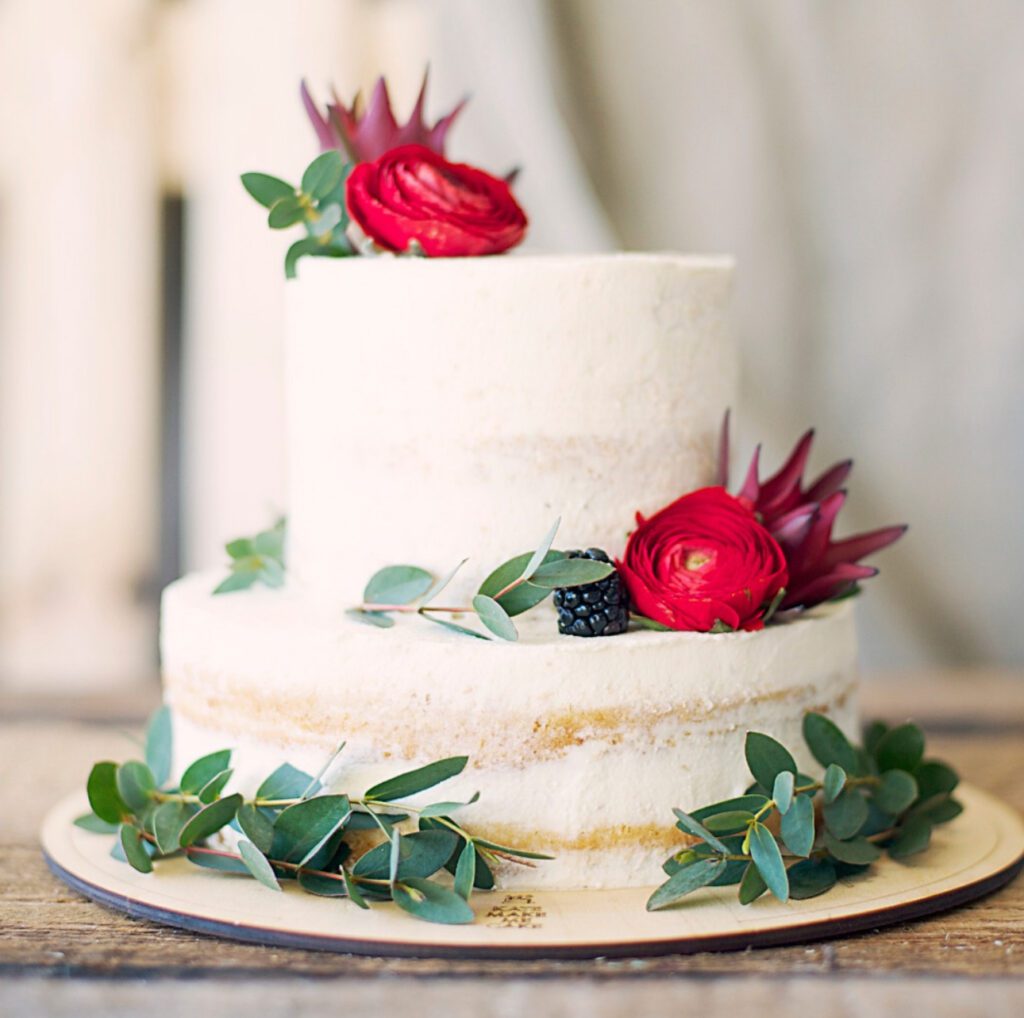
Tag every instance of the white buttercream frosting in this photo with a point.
(578, 746)
(444, 408)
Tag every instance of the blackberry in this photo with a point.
(596, 609)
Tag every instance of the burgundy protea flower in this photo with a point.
(365, 134)
(801, 520)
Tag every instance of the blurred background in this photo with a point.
(863, 161)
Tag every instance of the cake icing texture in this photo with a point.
(453, 408)
(447, 408)
(579, 747)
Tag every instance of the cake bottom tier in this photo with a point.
(579, 747)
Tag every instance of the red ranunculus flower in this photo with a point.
(701, 560)
(450, 209)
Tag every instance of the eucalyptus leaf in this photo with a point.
(833, 782)
(440, 809)
(847, 814)
(525, 595)
(353, 890)
(764, 851)
(168, 820)
(687, 823)
(441, 583)
(858, 851)
(465, 871)
(203, 770)
(397, 585)
(782, 791)
(935, 778)
(324, 886)
(303, 828)
(811, 877)
(271, 572)
(752, 886)
(495, 618)
(570, 572)
(873, 735)
(135, 785)
(749, 803)
(287, 782)
(378, 619)
(303, 246)
(329, 217)
(827, 742)
(256, 827)
(767, 758)
(225, 863)
(134, 850)
(286, 211)
(901, 748)
(95, 825)
(265, 188)
(212, 789)
(237, 579)
(256, 863)
(209, 820)
(104, 798)
(454, 627)
(686, 880)
(240, 547)
(941, 810)
(541, 553)
(797, 828)
(432, 902)
(896, 792)
(159, 744)
(519, 853)
(417, 780)
(913, 837)
(729, 822)
(323, 174)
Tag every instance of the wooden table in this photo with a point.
(61, 954)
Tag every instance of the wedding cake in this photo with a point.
(468, 433)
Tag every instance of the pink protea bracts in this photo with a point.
(801, 520)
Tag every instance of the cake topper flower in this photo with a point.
(411, 199)
(365, 133)
(801, 519)
(380, 187)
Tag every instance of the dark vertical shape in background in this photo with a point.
(171, 342)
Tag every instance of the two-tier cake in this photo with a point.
(450, 408)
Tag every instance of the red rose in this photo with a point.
(701, 560)
(451, 209)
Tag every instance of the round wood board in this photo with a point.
(979, 851)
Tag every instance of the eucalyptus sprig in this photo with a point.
(294, 829)
(318, 203)
(795, 836)
(258, 559)
(512, 588)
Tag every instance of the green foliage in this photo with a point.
(397, 585)
(256, 559)
(884, 796)
(159, 739)
(514, 587)
(292, 829)
(766, 758)
(318, 204)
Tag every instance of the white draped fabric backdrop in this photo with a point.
(861, 160)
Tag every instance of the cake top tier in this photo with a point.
(447, 408)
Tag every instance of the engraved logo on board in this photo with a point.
(516, 912)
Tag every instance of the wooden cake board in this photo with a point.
(973, 855)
